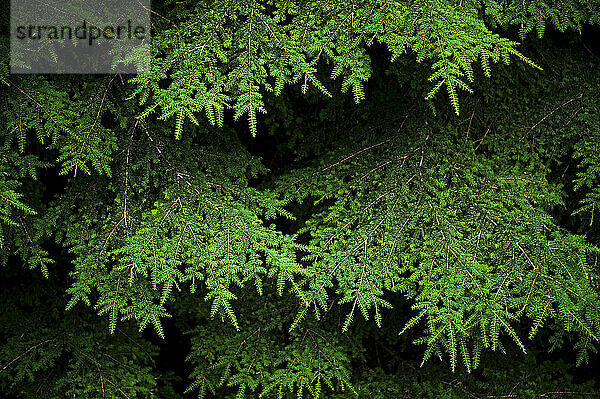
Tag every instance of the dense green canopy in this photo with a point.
(373, 199)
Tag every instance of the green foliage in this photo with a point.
(221, 54)
(467, 238)
(199, 231)
(265, 360)
(51, 354)
(512, 378)
(361, 225)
